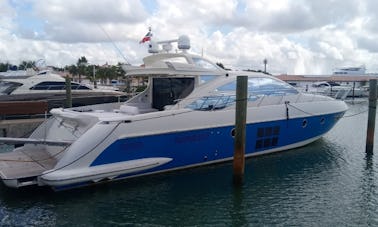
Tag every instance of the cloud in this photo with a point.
(296, 36)
(80, 21)
(290, 16)
(369, 44)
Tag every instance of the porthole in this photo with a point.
(322, 121)
(233, 132)
(304, 123)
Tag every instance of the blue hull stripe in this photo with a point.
(208, 145)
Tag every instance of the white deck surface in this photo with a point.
(21, 164)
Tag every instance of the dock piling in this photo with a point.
(240, 129)
(371, 116)
(68, 92)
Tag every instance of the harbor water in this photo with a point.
(331, 182)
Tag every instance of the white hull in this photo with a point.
(99, 173)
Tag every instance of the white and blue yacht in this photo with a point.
(184, 118)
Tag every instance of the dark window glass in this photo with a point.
(74, 86)
(274, 141)
(276, 130)
(267, 142)
(260, 132)
(259, 144)
(82, 87)
(49, 85)
(168, 91)
(7, 88)
(268, 131)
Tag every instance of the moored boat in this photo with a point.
(43, 85)
(184, 118)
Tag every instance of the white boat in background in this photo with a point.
(361, 70)
(333, 89)
(344, 91)
(43, 85)
(184, 118)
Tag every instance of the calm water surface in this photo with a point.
(330, 182)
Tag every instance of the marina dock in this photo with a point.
(332, 78)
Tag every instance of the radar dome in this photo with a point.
(183, 42)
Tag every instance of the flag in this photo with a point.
(146, 38)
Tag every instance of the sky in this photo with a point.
(309, 37)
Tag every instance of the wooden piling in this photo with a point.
(371, 115)
(68, 92)
(240, 129)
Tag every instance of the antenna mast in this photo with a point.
(115, 46)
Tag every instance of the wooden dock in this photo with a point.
(23, 108)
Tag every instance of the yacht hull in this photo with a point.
(193, 148)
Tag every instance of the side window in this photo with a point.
(167, 91)
(76, 86)
(49, 85)
(212, 102)
(82, 87)
(8, 87)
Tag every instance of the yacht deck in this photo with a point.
(20, 168)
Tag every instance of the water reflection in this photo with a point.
(330, 182)
(238, 217)
(369, 197)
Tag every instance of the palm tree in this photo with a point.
(26, 65)
(4, 67)
(73, 70)
(82, 65)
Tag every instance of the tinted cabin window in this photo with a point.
(57, 85)
(76, 86)
(82, 87)
(166, 91)
(7, 88)
(49, 85)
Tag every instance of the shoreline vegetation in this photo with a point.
(82, 69)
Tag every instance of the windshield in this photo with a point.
(261, 86)
(7, 88)
(225, 95)
(204, 64)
